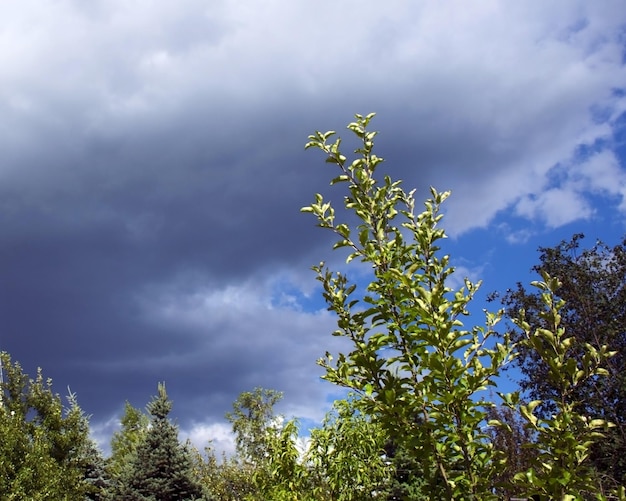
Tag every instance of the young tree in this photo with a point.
(254, 422)
(266, 449)
(43, 446)
(513, 438)
(124, 442)
(560, 466)
(419, 373)
(592, 282)
(225, 479)
(411, 355)
(347, 458)
(407, 481)
(96, 476)
(160, 469)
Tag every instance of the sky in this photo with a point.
(152, 168)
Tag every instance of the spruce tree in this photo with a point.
(161, 468)
(96, 479)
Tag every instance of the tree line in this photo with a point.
(423, 419)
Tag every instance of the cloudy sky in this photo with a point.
(152, 171)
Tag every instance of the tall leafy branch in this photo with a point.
(411, 355)
(561, 466)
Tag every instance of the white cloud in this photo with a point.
(598, 173)
(269, 345)
(602, 174)
(216, 435)
(462, 273)
(555, 206)
(101, 432)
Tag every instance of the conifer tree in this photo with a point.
(96, 477)
(160, 469)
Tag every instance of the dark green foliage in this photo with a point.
(96, 477)
(160, 469)
(511, 439)
(407, 480)
(593, 285)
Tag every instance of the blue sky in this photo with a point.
(152, 171)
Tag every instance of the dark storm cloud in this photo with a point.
(152, 170)
(111, 227)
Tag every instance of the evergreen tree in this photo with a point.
(160, 469)
(96, 476)
(407, 481)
